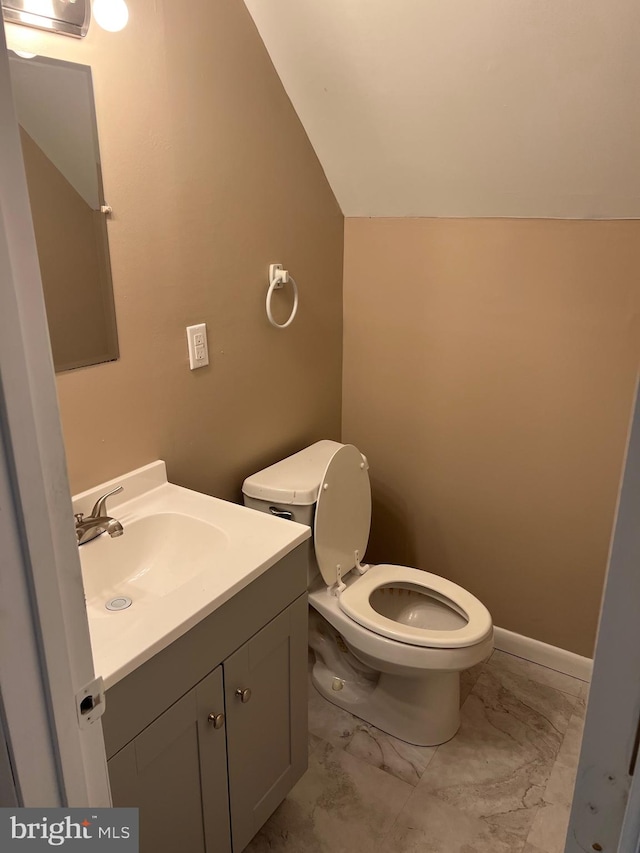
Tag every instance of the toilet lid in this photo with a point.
(343, 513)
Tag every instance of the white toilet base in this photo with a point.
(423, 709)
(420, 711)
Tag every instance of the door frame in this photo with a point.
(45, 648)
(606, 804)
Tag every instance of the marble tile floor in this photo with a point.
(503, 785)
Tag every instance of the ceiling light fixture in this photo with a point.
(111, 15)
(67, 17)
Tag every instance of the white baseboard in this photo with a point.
(538, 652)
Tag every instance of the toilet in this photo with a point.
(389, 641)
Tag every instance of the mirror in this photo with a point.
(58, 131)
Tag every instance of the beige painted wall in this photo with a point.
(489, 368)
(211, 177)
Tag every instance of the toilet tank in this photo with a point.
(289, 489)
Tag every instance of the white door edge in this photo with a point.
(602, 814)
(45, 653)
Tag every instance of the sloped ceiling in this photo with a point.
(466, 107)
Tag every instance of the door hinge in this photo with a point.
(90, 702)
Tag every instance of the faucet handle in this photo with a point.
(100, 508)
(79, 517)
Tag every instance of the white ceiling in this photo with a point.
(466, 107)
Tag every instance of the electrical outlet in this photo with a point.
(198, 347)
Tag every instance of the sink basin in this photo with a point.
(182, 555)
(156, 555)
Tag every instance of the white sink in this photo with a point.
(156, 555)
(182, 555)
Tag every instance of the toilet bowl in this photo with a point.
(389, 641)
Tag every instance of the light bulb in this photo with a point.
(24, 54)
(111, 15)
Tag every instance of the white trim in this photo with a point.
(604, 811)
(33, 759)
(538, 652)
(630, 831)
(45, 653)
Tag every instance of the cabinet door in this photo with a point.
(175, 773)
(267, 732)
(213, 765)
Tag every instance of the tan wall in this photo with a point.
(489, 368)
(211, 177)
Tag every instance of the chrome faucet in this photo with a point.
(98, 522)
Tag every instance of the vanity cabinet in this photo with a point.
(209, 764)
(175, 772)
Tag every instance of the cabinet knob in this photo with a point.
(217, 720)
(244, 695)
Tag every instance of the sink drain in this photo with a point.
(120, 603)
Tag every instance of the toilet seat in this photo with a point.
(341, 533)
(355, 602)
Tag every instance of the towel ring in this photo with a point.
(279, 278)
